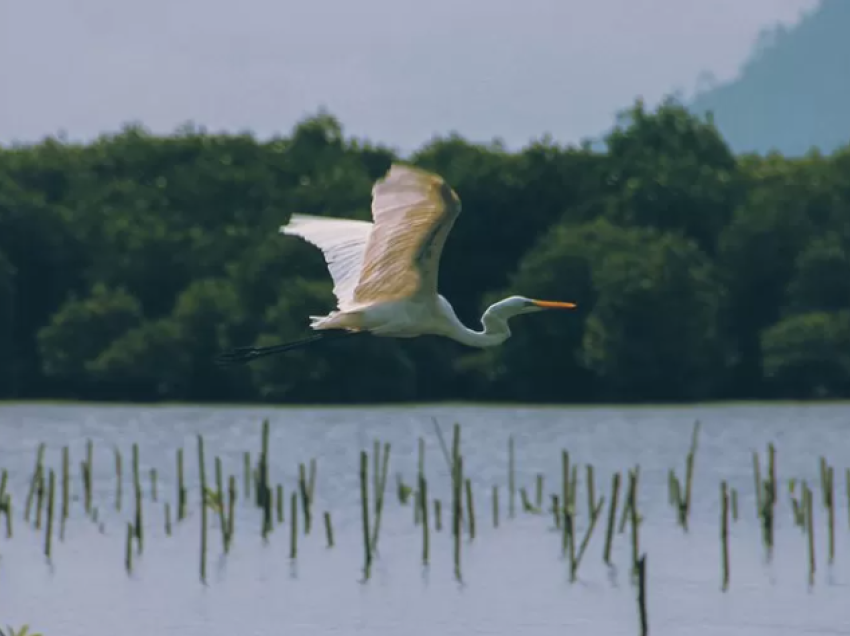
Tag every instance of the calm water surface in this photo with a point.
(515, 581)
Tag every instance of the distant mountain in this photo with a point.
(794, 91)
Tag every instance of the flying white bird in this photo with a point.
(385, 273)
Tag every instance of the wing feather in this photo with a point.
(343, 244)
(413, 212)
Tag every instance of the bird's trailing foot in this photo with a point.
(244, 355)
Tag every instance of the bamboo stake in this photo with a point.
(203, 486)
(39, 458)
(724, 532)
(219, 490)
(364, 499)
(329, 531)
(119, 478)
(181, 488)
(594, 515)
(612, 517)
(810, 532)
(470, 509)
(641, 575)
(50, 498)
(423, 503)
(293, 525)
(66, 461)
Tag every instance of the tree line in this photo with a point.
(128, 263)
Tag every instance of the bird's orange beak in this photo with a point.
(550, 304)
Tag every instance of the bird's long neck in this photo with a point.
(495, 331)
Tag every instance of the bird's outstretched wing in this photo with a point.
(343, 243)
(413, 212)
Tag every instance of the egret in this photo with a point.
(385, 272)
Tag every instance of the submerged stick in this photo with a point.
(279, 502)
(246, 459)
(153, 477)
(293, 525)
(39, 505)
(138, 490)
(87, 475)
(364, 500)
(565, 499)
(627, 504)
(423, 503)
(757, 477)
(724, 532)
(7, 506)
(380, 494)
(458, 502)
(570, 540)
(119, 478)
(574, 488)
(48, 541)
(329, 531)
(219, 493)
(4, 477)
(376, 471)
(311, 481)
(128, 548)
(305, 498)
(810, 532)
(263, 489)
(442, 441)
(495, 506)
(830, 510)
(457, 488)
(231, 507)
(612, 517)
(556, 511)
(641, 576)
(66, 467)
(181, 487)
(771, 473)
(594, 515)
(417, 508)
(470, 509)
(538, 493)
(634, 517)
(203, 486)
(39, 458)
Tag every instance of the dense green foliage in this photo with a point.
(128, 263)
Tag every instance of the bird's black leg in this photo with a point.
(243, 355)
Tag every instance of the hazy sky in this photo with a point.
(393, 71)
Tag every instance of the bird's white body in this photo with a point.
(385, 273)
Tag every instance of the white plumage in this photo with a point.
(385, 273)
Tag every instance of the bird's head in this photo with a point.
(516, 305)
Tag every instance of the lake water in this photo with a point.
(515, 580)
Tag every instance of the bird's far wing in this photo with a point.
(343, 243)
(414, 211)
